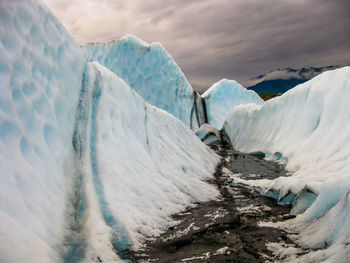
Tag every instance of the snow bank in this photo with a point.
(309, 129)
(40, 79)
(145, 164)
(222, 97)
(150, 70)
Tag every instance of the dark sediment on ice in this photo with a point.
(224, 230)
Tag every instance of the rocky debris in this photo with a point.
(227, 229)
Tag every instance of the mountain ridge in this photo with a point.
(282, 80)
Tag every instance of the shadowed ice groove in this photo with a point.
(76, 241)
(120, 238)
(84, 144)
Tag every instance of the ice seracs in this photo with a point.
(151, 71)
(222, 97)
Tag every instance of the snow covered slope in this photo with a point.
(151, 71)
(140, 163)
(222, 97)
(40, 78)
(309, 128)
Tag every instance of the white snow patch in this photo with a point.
(284, 252)
(217, 214)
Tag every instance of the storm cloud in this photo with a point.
(215, 39)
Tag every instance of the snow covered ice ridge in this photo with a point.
(222, 97)
(86, 166)
(309, 129)
(141, 164)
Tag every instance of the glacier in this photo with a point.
(152, 72)
(97, 151)
(307, 128)
(87, 167)
(222, 97)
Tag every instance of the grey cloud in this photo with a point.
(214, 39)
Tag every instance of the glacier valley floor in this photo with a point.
(218, 231)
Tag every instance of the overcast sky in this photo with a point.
(215, 39)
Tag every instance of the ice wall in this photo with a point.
(222, 97)
(141, 163)
(309, 128)
(151, 71)
(87, 168)
(40, 79)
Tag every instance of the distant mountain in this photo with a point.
(281, 80)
